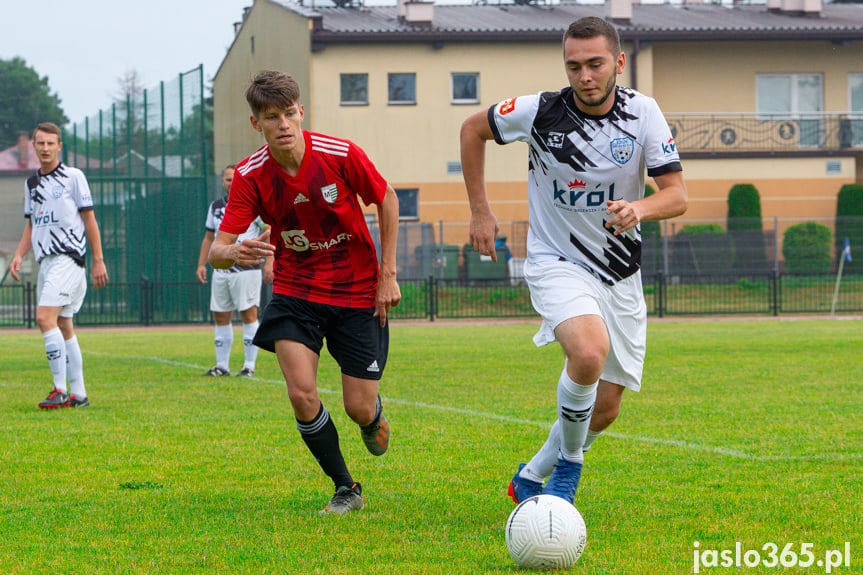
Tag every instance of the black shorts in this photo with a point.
(354, 336)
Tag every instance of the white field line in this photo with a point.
(686, 445)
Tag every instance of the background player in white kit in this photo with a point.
(589, 145)
(237, 288)
(59, 211)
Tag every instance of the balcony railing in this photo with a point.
(821, 134)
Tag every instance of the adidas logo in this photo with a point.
(300, 199)
(373, 367)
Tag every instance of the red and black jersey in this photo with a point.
(324, 252)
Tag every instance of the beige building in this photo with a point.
(761, 94)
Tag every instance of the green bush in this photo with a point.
(806, 248)
(651, 241)
(745, 229)
(744, 208)
(849, 224)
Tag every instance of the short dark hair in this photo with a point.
(229, 167)
(49, 128)
(591, 27)
(272, 89)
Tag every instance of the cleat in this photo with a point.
(521, 488)
(76, 402)
(376, 435)
(217, 371)
(246, 372)
(346, 499)
(55, 399)
(563, 481)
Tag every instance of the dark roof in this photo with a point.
(512, 22)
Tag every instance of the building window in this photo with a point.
(465, 88)
(796, 98)
(408, 203)
(402, 88)
(354, 89)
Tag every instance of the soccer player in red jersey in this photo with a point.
(309, 188)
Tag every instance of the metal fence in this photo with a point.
(146, 161)
(697, 269)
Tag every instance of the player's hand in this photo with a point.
(483, 233)
(202, 274)
(99, 274)
(388, 296)
(253, 252)
(14, 266)
(626, 216)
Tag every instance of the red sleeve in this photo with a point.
(242, 208)
(364, 177)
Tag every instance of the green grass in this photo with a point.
(744, 431)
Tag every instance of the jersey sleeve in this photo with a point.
(512, 119)
(210, 223)
(242, 208)
(660, 152)
(363, 177)
(81, 193)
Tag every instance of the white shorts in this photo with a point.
(62, 283)
(561, 290)
(235, 290)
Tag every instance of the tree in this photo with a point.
(25, 100)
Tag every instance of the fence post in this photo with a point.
(431, 297)
(775, 292)
(145, 300)
(28, 306)
(659, 295)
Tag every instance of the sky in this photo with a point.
(85, 46)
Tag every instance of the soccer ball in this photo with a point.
(545, 532)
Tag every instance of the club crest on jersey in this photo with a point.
(330, 193)
(57, 191)
(621, 149)
(554, 140)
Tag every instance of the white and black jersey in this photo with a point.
(577, 163)
(216, 213)
(53, 201)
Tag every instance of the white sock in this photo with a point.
(542, 464)
(224, 341)
(75, 368)
(591, 437)
(574, 408)
(55, 350)
(251, 350)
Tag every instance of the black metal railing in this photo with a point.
(768, 134)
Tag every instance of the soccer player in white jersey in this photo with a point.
(237, 288)
(589, 146)
(59, 211)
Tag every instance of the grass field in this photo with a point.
(745, 431)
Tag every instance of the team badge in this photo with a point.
(330, 193)
(621, 149)
(554, 140)
(57, 191)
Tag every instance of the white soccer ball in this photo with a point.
(545, 532)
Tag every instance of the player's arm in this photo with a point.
(202, 257)
(268, 264)
(388, 292)
(671, 200)
(24, 246)
(475, 132)
(98, 270)
(225, 251)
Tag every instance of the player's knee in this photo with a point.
(585, 367)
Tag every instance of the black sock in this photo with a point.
(322, 439)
